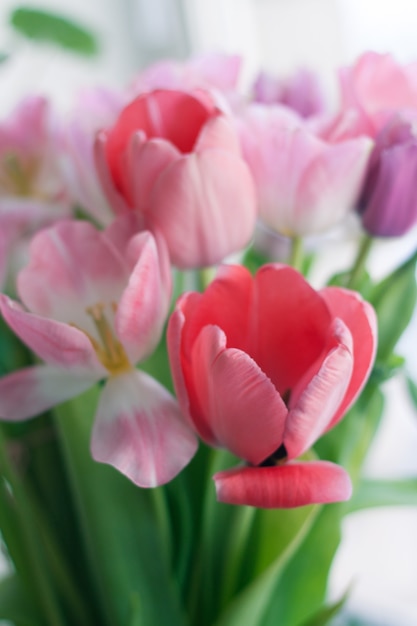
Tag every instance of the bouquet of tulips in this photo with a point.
(185, 411)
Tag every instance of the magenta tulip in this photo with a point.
(175, 158)
(263, 366)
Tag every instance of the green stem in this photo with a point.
(296, 254)
(33, 547)
(360, 262)
(204, 277)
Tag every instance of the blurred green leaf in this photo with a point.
(3, 57)
(394, 300)
(253, 259)
(327, 613)
(250, 604)
(373, 493)
(412, 390)
(40, 25)
(14, 605)
(383, 371)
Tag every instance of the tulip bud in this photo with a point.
(388, 203)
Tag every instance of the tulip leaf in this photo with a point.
(371, 493)
(394, 300)
(120, 527)
(250, 604)
(327, 613)
(412, 390)
(253, 259)
(43, 26)
(14, 605)
(383, 371)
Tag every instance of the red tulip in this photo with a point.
(263, 366)
(175, 158)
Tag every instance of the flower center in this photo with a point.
(109, 350)
(278, 457)
(16, 177)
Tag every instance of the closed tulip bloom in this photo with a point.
(388, 203)
(305, 185)
(300, 92)
(91, 313)
(262, 367)
(175, 158)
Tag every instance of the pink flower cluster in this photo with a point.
(175, 171)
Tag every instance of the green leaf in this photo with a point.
(383, 371)
(44, 26)
(120, 524)
(394, 300)
(253, 259)
(3, 57)
(327, 613)
(250, 604)
(14, 605)
(412, 390)
(371, 493)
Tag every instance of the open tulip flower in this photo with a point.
(263, 366)
(90, 316)
(166, 158)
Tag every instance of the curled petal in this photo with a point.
(139, 430)
(321, 396)
(360, 318)
(245, 412)
(285, 486)
(33, 390)
(144, 304)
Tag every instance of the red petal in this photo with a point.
(359, 317)
(285, 486)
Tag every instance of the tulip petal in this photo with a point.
(192, 199)
(144, 304)
(139, 430)
(54, 342)
(285, 486)
(33, 390)
(219, 134)
(360, 318)
(292, 325)
(246, 414)
(322, 395)
(72, 267)
(113, 194)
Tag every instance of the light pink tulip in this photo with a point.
(94, 110)
(300, 92)
(174, 158)
(304, 184)
(32, 189)
(91, 314)
(263, 366)
(377, 86)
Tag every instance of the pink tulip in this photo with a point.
(300, 92)
(175, 159)
(91, 314)
(376, 86)
(32, 189)
(305, 185)
(263, 366)
(94, 110)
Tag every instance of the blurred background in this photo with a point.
(378, 556)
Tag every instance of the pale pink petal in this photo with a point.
(139, 430)
(143, 307)
(72, 267)
(115, 198)
(121, 231)
(54, 342)
(33, 390)
(321, 396)
(174, 337)
(218, 133)
(285, 486)
(360, 318)
(243, 409)
(203, 214)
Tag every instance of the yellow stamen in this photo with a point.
(109, 350)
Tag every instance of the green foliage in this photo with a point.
(43, 26)
(412, 390)
(374, 493)
(14, 605)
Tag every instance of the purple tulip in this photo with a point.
(388, 203)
